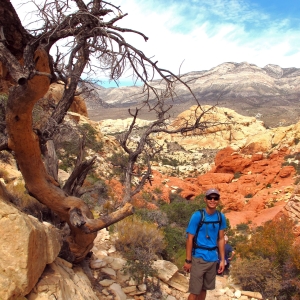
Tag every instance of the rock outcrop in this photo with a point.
(55, 93)
(27, 246)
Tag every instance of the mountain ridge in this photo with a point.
(271, 92)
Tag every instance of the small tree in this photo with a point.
(140, 242)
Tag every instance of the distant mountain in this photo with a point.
(271, 93)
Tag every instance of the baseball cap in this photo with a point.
(212, 191)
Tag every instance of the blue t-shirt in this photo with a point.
(208, 234)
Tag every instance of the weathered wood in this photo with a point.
(51, 160)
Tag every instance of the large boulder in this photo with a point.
(27, 246)
(55, 93)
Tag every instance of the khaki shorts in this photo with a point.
(203, 276)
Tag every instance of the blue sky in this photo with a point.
(195, 35)
(201, 34)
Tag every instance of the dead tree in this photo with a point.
(93, 38)
(146, 144)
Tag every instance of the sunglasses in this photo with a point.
(216, 198)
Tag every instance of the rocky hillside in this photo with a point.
(255, 168)
(270, 93)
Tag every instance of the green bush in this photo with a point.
(119, 160)
(249, 196)
(175, 238)
(181, 212)
(90, 135)
(67, 154)
(175, 197)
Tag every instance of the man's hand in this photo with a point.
(221, 267)
(187, 267)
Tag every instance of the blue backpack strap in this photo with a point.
(202, 216)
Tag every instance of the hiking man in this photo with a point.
(202, 252)
(229, 253)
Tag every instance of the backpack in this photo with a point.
(202, 221)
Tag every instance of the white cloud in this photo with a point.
(244, 34)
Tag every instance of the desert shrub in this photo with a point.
(290, 284)
(90, 135)
(242, 227)
(140, 242)
(175, 197)
(67, 142)
(157, 190)
(138, 264)
(19, 196)
(249, 196)
(154, 216)
(119, 160)
(180, 212)
(273, 241)
(175, 239)
(147, 196)
(257, 274)
(170, 161)
(237, 235)
(67, 155)
(199, 199)
(134, 232)
(97, 196)
(22, 198)
(237, 175)
(295, 255)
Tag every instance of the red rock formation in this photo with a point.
(254, 188)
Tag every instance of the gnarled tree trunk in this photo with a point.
(25, 143)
